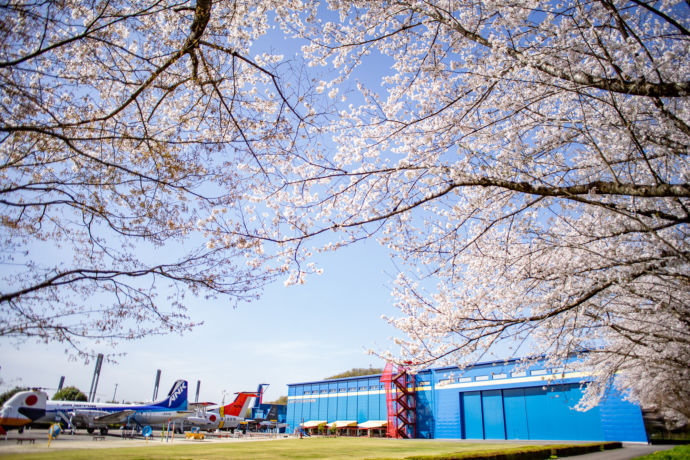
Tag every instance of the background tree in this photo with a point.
(121, 124)
(281, 400)
(528, 163)
(356, 372)
(9, 393)
(70, 393)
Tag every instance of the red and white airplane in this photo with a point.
(227, 417)
(21, 409)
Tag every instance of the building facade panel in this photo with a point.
(516, 413)
(351, 401)
(322, 399)
(341, 413)
(332, 404)
(472, 423)
(363, 401)
(446, 413)
(425, 414)
(619, 418)
(492, 412)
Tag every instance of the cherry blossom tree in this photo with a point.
(120, 127)
(528, 163)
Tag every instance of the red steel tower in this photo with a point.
(400, 402)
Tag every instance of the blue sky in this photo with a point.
(291, 334)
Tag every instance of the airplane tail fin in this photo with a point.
(262, 387)
(177, 397)
(272, 413)
(241, 403)
(23, 408)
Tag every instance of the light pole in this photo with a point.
(114, 393)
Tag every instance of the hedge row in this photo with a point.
(525, 453)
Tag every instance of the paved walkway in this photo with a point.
(627, 452)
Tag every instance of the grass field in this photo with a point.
(677, 453)
(315, 448)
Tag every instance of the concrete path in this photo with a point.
(627, 452)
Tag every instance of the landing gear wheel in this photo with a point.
(104, 431)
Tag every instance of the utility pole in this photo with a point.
(96, 376)
(113, 400)
(155, 385)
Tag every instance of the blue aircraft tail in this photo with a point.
(177, 398)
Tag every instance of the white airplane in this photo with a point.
(227, 417)
(91, 415)
(21, 409)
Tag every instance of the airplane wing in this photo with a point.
(115, 417)
(199, 405)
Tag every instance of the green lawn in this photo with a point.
(677, 453)
(316, 448)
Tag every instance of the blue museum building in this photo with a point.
(495, 400)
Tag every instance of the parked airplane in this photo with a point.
(21, 409)
(227, 417)
(269, 421)
(271, 415)
(91, 415)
